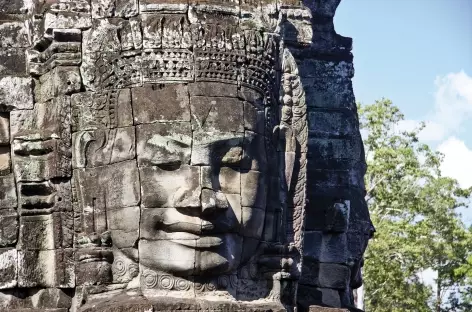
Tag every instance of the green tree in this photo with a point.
(414, 209)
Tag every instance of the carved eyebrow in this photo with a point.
(160, 140)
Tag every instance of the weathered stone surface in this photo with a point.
(178, 149)
(207, 113)
(5, 160)
(22, 98)
(12, 61)
(59, 81)
(113, 186)
(170, 187)
(160, 103)
(8, 268)
(103, 147)
(8, 227)
(14, 34)
(110, 8)
(46, 268)
(110, 109)
(164, 144)
(4, 128)
(7, 192)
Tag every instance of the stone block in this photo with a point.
(46, 232)
(38, 160)
(253, 189)
(108, 187)
(254, 152)
(5, 160)
(321, 69)
(46, 268)
(4, 128)
(254, 118)
(170, 31)
(13, 6)
(7, 192)
(59, 81)
(310, 295)
(328, 214)
(14, 34)
(251, 96)
(49, 120)
(167, 256)
(323, 93)
(112, 8)
(124, 226)
(217, 149)
(164, 144)
(340, 123)
(326, 275)
(160, 5)
(175, 187)
(217, 114)
(8, 268)
(13, 61)
(67, 20)
(338, 149)
(164, 102)
(22, 98)
(103, 147)
(95, 110)
(224, 179)
(8, 227)
(96, 272)
(337, 178)
(326, 247)
(252, 222)
(213, 89)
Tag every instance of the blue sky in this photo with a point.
(418, 53)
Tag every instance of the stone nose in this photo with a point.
(213, 202)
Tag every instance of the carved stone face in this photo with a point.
(198, 196)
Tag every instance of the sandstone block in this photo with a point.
(217, 149)
(22, 98)
(109, 109)
(4, 128)
(5, 160)
(178, 187)
(13, 61)
(8, 228)
(108, 187)
(59, 81)
(252, 222)
(124, 226)
(253, 189)
(160, 103)
(49, 120)
(213, 89)
(46, 268)
(340, 123)
(164, 144)
(326, 247)
(111, 8)
(103, 147)
(224, 179)
(217, 114)
(14, 34)
(46, 232)
(8, 268)
(7, 192)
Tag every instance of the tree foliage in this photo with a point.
(415, 211)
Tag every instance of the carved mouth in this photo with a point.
(201, 242)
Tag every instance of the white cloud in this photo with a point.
(457, 161)
(452, 107)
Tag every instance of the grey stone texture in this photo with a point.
(161, 155)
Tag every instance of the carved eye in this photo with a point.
(170, 166)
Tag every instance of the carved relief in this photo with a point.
(161, 152)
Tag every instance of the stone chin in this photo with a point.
(205, 255)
